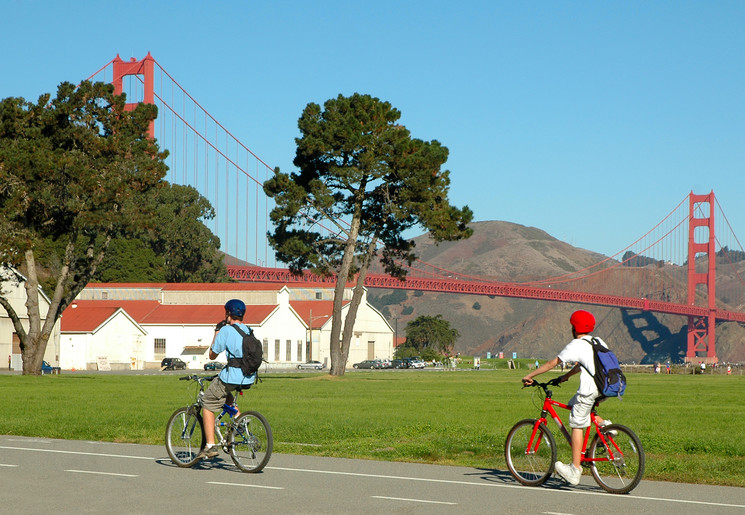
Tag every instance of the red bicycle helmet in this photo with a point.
(582, 321)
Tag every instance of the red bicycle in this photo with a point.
(615, 455)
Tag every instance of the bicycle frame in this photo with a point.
(548, 408)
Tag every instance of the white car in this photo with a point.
(417, 363)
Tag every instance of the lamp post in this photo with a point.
(309, 348)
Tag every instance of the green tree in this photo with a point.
(361, 172)
(73, 170)
(175, 246)
(431, 332)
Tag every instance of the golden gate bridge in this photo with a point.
(671, 269)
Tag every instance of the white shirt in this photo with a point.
(579, 351)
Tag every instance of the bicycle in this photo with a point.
(615, 455)
(248, 437)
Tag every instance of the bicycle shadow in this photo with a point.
(218, 463)
(503, 477)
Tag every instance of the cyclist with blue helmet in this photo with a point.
(230, 378)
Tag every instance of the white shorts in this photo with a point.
(581, 405)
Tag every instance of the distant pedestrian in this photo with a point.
(703, 367)
(729, 370)
(667, 368)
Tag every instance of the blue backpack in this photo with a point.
(608, 375)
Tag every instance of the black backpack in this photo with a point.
(253, 354)
(608, 375)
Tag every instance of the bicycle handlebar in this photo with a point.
(556, 381)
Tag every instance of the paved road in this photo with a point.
(42, 475)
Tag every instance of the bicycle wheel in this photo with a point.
(621, 473)
(530, 457)
(250, 442)
(184, 436)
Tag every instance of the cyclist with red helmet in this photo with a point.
(580, 352)
(220, 390)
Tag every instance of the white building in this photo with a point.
(152, 321)
(14, 290)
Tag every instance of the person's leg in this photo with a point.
(209, 426)
(212, 401)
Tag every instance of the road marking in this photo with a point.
(243, 484)
(408, 478)
(102, 473)
(412, 500)
(4, 465)
(520, 487)
(79, 453)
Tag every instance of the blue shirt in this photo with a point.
(230, 340)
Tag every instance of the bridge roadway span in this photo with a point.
(46, 475)
(499, 289)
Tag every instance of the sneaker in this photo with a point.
(568, 473)
(210, 453)
(604, 423)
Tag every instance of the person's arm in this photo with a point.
(213, 354)
(548, 365)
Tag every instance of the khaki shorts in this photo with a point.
(217, 394)
(581, 405)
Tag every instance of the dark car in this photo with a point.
(46, 368)
(317, 365)
(214, 365)
(369, 363)
(401, 363)
(172, 364)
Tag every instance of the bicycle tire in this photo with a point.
(185, 436)
(624, 473)
(530, 467)
(250, 442)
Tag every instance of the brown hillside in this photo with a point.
(506, 251)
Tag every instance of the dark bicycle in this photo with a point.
(247, 436)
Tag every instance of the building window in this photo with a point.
(276, 350)
(300, 350)
(265, 348)
(371, 350)
(159, 348)
(104, 295)
(319, 295)
(288, 350)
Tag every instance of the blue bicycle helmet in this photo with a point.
(235, 308)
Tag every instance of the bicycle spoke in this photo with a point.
(618, 465)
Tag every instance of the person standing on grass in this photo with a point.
(220, 390)
(579, 351)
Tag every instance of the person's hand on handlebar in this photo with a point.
(527, 381)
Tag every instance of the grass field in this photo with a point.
(691, 426)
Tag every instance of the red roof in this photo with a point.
(137, 309)
(201, 314)
(85, 319)
(149, 312)
(322, 310)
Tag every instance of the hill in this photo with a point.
(538, 329)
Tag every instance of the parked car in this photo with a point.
(172, 364)
(317, 365)
(417, 363)
(369, 363)
(214, 365)
(386, 363)
(400, 363)
(46, 368)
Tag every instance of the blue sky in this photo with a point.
(589, 120)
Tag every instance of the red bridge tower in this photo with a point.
(701, 330)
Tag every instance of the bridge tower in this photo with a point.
(143, 68)
(701, 330)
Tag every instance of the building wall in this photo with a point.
(119, 341)
(16, 295)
